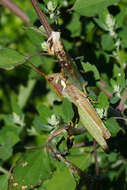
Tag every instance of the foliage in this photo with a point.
(94, 34)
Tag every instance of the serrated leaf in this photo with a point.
(39, 126)
(112, 157)
(120, 18)
(75, 25)
(113, 126)
(4, 181)
(10, 132)
(6, 149)
(24, 93)
(31, 170)
(14, 105)
(120, 75)
(10, 58)
(107, 42)
(45, 113)
(102, 101)
(65, 110)
(88, 67)
(35, 35)
(92, 7)
(62, 179)
(123, 36)
(79, 159)
(101, 20)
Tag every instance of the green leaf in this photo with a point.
(10, 58)
(4, 181)
(39, 126)
(24, 93)
(35, 35)
(78, 158)
(75, 25)
(65, 110)
(61, 180)
(113, 126)
(10, 132)
(88, 67)
(6, 149)
(102, 101)
(107, 42)
(102, 20)
(32, 169)
(120, 18)
(45, 113)
(112, 157)
(92, 7)
(119, 75)
(123, 36)
(14, 105)
(114, 99)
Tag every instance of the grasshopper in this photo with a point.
(72, 91)
(87, 113)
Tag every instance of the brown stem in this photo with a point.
(42, 18)
(15, 9)
(120, 118)
(102, 86)
(59, 156)
(95, 158)
(120, 107)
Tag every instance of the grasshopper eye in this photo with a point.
(50, 79)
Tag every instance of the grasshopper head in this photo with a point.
(58, 82)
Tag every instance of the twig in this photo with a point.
(2, 170)
(95, 158)
(102, 86)
(15, 9)
(120, 107)
(121, 118)
(74, 168)
(42, 18)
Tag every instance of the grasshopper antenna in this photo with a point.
(34, 68)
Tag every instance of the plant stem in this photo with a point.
(120, 107)
(95, 158)
(15, 9)
(52, 150)
(4, 170)
(101, 86)
(42, 18)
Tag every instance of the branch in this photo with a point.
(42, 18)
(120, 107)
(15, 9)
(102, 86)
(52, 150)
(95, 158)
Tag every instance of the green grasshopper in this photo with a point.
(72, 91)
(87, 113)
